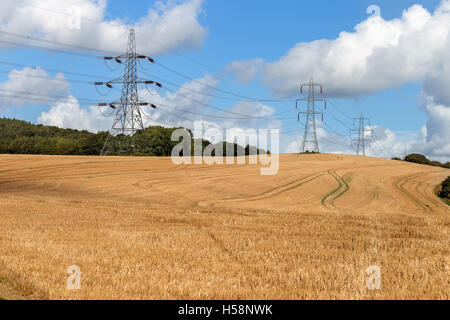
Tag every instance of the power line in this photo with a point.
(380, 146)
(211, 115)
(95, 76)
(243, 116)
(334, 142)
(162, 109)
(218, 89)
(335, 118)
(31, 94)
(175, 51)
(74, 46)
(338, 109)
(44, 100)
(52, 70)
(99, 57)
(16, 73)
(85, 55)
(199, 92)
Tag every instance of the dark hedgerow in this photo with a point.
(445, 190)
(21, 137)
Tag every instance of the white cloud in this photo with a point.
(67, 113)
(435, 141)
(31, 86)
(255, 110)
(193, 101)
(170, 25)
(246, 70)
(379, 54)
(188, 104)
(177, 108)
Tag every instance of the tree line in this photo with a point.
(421, 159)
(22, 137)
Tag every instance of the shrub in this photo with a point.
(436, 164)
(445, 192)
(417, 158)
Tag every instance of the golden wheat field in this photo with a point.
(143, 228)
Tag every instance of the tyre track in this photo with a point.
(431, 197)
(400, 186)
(274, 191)
(342, 184)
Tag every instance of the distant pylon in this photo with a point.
(309, 142)
(362, 139)
(128, 117)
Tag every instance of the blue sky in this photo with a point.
(236, 31)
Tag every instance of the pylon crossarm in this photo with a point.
(121, 81)
(315, 99)
(119, 59)
(315, 112)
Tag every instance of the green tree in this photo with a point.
(417, 158)
(445, 191)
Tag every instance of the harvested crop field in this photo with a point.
(143, 228)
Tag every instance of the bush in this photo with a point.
(445, 191)
(417, 158)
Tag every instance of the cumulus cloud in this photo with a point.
(174, 109)
(177, 108)
(190, 103)
(67, 113)
(31, 86)
(169, 25)
(193, 101)
(435, 141)
(246, 70)
(379, 54)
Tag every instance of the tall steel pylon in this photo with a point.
(309, 142)
(128, 115)
(362, 139)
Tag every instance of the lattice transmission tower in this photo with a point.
(363, 133)
(128, 113)
(309, 142)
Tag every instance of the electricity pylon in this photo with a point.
(309, 142)
(362, 140)
(128, 114)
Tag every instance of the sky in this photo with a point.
(239, 64)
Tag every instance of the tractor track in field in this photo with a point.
(335, 193)
(399, 184)
(274, 191)
(432, 198)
